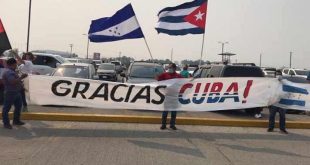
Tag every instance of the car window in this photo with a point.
(241, 71)
(205, 72)
(285, 71)
(72, 71)
(107, 67)
(302, 72)
(215, 71)
(115, 63)
(291, 72)
(145, 71)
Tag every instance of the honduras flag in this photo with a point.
(294, 96)
(187, 18)
(122, 25)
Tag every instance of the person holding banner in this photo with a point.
(12, 96)
(26, 67)
(171, 74)
(272, 113)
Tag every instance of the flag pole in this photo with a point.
(204, 33)
(203, 40)
(147, 45)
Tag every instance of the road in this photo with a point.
(42, 142)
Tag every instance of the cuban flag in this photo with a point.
(187, 18)
(122, 25)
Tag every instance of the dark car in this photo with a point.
(210, 71)
(228, 71)
(106, 71)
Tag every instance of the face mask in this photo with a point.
(170, 70)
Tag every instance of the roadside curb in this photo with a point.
(154, 120)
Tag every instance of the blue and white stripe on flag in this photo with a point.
(187, 18)
(122, 25)
(294, 96)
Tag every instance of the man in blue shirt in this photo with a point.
(12, 87)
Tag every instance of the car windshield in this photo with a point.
(302, 72)
(116, 63)
(145, 71)
(61, 59)
(241, 71)
(107, 67)
(270, 72)
(72, 71)
(97, 62)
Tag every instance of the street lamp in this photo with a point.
(87, 45)
(223, 44)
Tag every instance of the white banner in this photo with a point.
(176, 94)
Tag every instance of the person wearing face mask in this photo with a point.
(171, 74)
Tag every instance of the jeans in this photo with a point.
(172, 120)
(11, 98)
(23, 97)
(272, 115)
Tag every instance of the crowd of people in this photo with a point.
(14, 91)
(13, 71)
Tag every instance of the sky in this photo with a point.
(273, 28)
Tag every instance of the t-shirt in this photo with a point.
(8, 76)
(185, 74)
(27, 67)
(167, 76)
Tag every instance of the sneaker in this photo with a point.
(257, 116)
(8, 126)
(163, 127)
(270, 130)
(25, 109)
(173, 127)
(18, 123)
(284, 131)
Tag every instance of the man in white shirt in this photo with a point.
(25, 67)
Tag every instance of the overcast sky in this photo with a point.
(271, 27)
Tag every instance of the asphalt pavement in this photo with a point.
(49, 143)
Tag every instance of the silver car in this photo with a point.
(142, 72)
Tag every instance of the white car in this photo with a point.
(45, 64)
(295, 72)
(76, 70)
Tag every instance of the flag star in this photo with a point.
(199, 16)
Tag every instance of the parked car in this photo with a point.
(45, 64)
(106, 71)
(76, 70)
(210, 71)
(118, 66)
(269, 72)
(298, 72)
(97, 63)
(142, 72)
